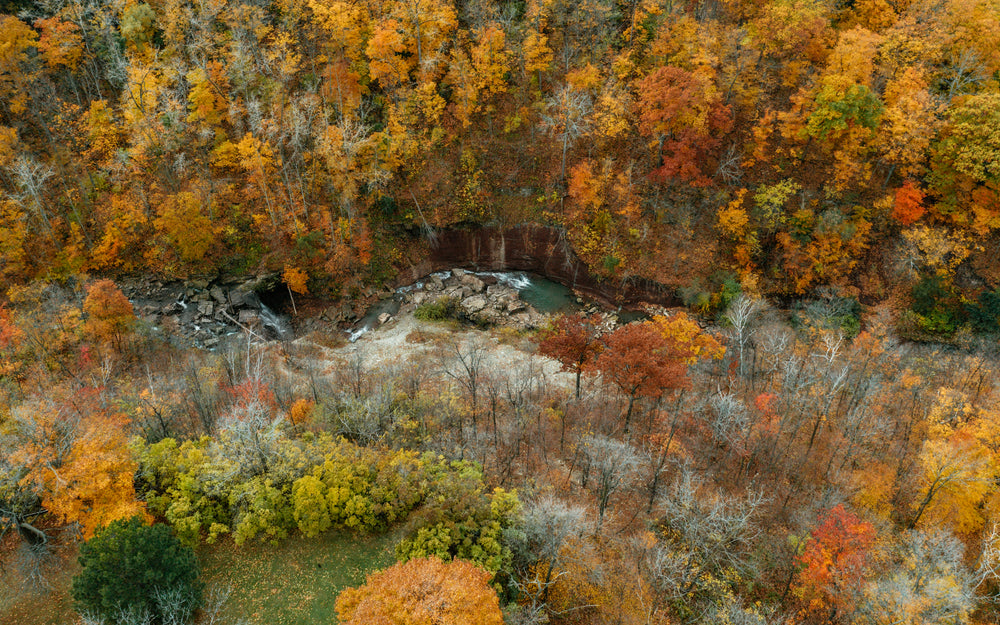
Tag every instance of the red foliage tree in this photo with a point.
(909, 204)
(834, 560)
(641, 362)
(684, 112)
(573, 342)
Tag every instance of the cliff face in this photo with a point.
(537, 249)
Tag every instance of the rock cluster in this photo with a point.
(204, 311)
(478, 298)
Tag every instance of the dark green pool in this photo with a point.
(544, 295)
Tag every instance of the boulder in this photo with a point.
(206, 308)
(515, 306)
(384, 318)
(500, 290)
(473, 304)
(218, 295)
(238, 297)
(472, 282)
(434, 283)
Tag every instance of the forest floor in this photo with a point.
(295, 582)
(24, 601)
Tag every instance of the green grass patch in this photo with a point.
(295, 582)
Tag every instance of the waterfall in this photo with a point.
(278, 324)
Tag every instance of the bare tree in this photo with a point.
(966, 71)
(742, 315)
(928, 584)
(30, 177)
(352, 374)
(463, 362)
(547, 525)
(132, 615)
(211, 611)
(987, 572)
(730, 169)
(371, 418)
(614, 464)
(174, 605)
(730, 421)
(704, 532)
(249, 436)
(567, 117)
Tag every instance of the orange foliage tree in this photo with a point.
(908, 206)
(684, 113)
(94, 486)
(423, 591)
(109, 313)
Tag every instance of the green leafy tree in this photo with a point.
(130, 568)
(840, 107)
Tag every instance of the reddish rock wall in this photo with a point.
(536, 249)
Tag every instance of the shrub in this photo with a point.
(936, 307)
(437, 310)
(985, 313)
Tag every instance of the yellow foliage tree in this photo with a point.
(16, 38)
(185, 226)
(957, 475)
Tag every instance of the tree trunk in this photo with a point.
(628, 412)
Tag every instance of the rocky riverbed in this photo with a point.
(486, 299)
(203, 312)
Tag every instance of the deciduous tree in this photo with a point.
(573, 342)
(834, 561)
(109, 313)
(640, 362)
(683, 112)
(423, 591)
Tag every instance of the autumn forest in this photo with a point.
(803, 428)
